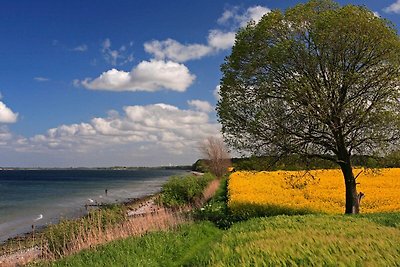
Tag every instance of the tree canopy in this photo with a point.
(316, 80)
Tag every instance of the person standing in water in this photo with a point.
(106, 191)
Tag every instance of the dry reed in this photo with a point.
(155, 219)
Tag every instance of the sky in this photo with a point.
(118, 83)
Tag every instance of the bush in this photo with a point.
(183, 190)
(216, 210)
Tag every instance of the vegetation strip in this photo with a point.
(310, 240)
(113, 222)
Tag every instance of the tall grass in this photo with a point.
(187, 245)
(112, 223)
(184, 190)
(310, 240)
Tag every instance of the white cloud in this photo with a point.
(216, 92)
(201, 105)
(217, 39)
(176, 51)
(115, 57)
(149, 135)
(227, 15)
(5, 135)
(393, 8)
(147, 76)
(162, 126)
(6, 114)
(254, 13)
(80, 48)
(41, 79)
(238, 18)
(221, 40)
(376, 14)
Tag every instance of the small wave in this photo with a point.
(38, 218)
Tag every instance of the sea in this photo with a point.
(36, 198)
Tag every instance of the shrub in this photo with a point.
(216, 210)
(183, 190)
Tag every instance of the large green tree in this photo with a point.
(318, 80)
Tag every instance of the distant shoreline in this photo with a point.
(116, 168)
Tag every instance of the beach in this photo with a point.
(39, 198)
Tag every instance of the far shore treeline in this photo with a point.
(295, 163)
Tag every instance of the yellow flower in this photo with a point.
(323, 191)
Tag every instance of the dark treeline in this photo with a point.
(295, 162)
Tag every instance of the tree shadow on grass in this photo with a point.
(250, 210)
(218, 212)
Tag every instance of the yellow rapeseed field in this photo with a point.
(322, 191)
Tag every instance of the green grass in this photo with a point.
(308, 240)
(183, 190)
(185, 246)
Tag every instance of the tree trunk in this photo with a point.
(352, 199)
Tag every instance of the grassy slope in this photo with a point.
(310, 240)
(184, 246)
(372, 240)
(330, 240)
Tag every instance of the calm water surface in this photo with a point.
(41, 197)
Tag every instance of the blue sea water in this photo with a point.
(41, 197)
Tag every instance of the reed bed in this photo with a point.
(100, 228)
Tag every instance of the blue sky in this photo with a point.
(102, 83)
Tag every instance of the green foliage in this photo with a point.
(289, 163)
(201, 165)
(216, 210)
(319, 79)
(186, 246)
(182, 190)
(385, 219)
(245, 211)
(310, 240)
(297, 163)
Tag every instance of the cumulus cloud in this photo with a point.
(393, 8)
(216, 92)
(147, 76)
(161, 126)
(6, 114)
(217, 39)
(140, 135)
(5, 135)
(176, 51)
(201, 105)
(116, 57)
(80, 48)
(41, 79)
(235, 16)
(221, 40)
